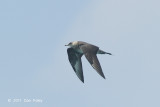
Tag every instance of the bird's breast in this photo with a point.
(77, 49)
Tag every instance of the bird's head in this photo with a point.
(72, 44)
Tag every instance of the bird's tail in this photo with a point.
(103, 52)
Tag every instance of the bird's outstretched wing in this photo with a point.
(75, 60)
(90, 52)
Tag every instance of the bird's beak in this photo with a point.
(65, 45)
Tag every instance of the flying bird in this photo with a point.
(77, 49)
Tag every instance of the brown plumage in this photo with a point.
(79, 48)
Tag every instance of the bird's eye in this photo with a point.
(70, 43)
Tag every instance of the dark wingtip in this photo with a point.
(104, 77)
(82, 81)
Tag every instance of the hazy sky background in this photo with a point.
(34, 61)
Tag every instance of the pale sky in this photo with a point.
(34, 62)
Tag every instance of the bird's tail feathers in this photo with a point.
(103, 52)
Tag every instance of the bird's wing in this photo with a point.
(75, 60)
(90, 52)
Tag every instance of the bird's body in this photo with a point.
(79, 48)
(76, 47)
